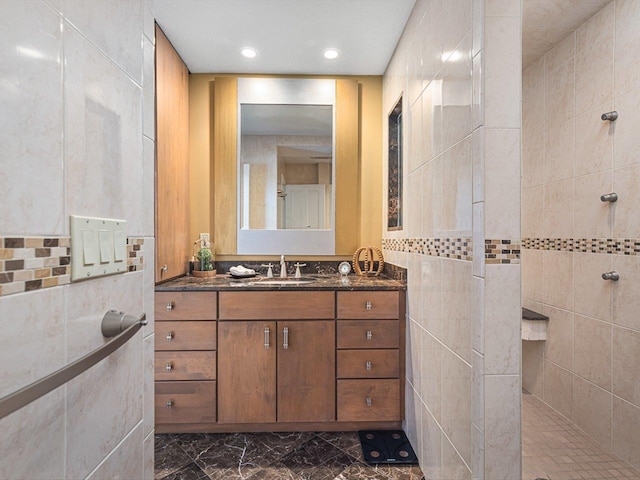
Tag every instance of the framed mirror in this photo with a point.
(286, 167)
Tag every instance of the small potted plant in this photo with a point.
(204, 264)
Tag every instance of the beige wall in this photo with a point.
(461, 174)
(370, 181)
(587, 369)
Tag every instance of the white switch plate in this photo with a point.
(98, 247)
(204, 239)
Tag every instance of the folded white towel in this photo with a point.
(239, 270)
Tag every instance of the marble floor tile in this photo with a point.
(270, 456)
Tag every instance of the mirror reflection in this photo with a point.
(286, 167)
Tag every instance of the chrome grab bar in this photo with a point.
(114, 324)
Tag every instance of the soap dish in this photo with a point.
(251, 275)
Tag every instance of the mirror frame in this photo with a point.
(285, 91)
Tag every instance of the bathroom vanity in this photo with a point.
(245, 356)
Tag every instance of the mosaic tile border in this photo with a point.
(34, 263)
(496, 251)
(460, 248)
(611, 246)
(502, 252)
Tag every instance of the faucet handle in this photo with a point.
(270, 271)
(298, 265)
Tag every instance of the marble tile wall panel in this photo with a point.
(99, 170)
(103, 132)
(125, 461)
(31, 124)
(464, 51)
(579, 237)
(31, 440)
(103, 405)
(98, 20)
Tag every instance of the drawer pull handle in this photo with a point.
(169, 306)
(368, 401)
(266, 337)
(169, 336)
(369, 335)
(367, 365)
(169, 367)
(169, 403)
(285, 335)
(368, 305)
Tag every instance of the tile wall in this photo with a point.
(458, 69)
(588, 368)
(77, 134)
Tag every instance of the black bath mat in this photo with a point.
(386, 446)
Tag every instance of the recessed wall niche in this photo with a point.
(394, 193)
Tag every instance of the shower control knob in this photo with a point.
(611, 116)
(613, 276)
(609, 197)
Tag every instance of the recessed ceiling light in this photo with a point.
(331, 53)
(249, 52)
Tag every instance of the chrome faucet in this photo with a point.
(283, 267)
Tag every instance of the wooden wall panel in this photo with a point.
(224, 157)
(172, 161)
(347, 167)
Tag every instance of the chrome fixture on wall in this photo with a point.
(611, 116)
(609, 197)
(613, 276)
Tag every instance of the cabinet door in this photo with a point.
(246, 372)
(306, 371)
(173, 245)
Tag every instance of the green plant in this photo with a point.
(204, 256)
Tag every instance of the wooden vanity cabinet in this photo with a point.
(279, 360)
(369, 352)
(185, 358)
(280, 368)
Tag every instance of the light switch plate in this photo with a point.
(98, 247)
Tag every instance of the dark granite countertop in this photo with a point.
(225, 282)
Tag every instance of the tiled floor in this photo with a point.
(553, 448)
(270, 456)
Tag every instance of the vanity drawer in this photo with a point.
(368, 334)
(185, 402)
(185, 366)
(185, 335)
(368, 400)
(368, 304)
(185, 305)
(276, 305)
(368, 364)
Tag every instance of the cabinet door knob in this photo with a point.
(285, 337)
(367, 365)
(368, 305)
(169, 336)
(369, 401)
(266, 337)
(169, 306)
(369, 335)
(169, 403)
(169, 367)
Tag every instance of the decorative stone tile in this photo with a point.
(502, 251)
(612, 246)
(32, 263)
(459, 248)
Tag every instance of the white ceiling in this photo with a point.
(290, 35)
(546, 22)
